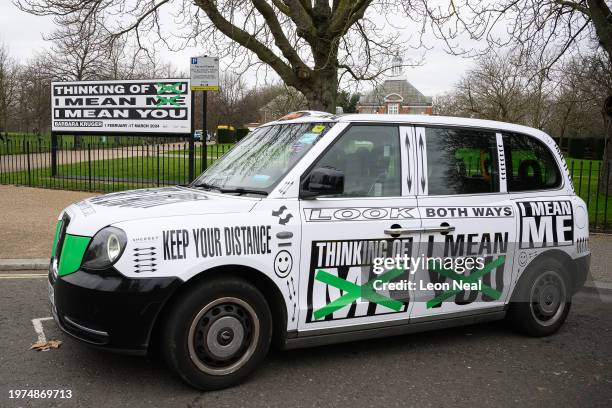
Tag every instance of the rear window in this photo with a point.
(531, 165)
(461, 161)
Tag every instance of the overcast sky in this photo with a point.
(23, 33)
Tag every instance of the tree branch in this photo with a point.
(280, 39)
(246, 40)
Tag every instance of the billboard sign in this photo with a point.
(137, 106)
(204, 73)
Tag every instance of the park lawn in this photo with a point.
(585, 174)
(213, 150)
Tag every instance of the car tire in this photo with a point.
(218, 333)
(542, 299)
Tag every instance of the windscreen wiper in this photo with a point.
(242, 191)
(205, 186)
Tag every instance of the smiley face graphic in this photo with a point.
(283, 263)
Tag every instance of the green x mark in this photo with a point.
(168, 88)
(354, 292)
(462, 279)
(173, 100)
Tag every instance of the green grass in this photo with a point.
(585, 175)
(212, 149)
(109, 175)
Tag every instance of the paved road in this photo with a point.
(484, 365)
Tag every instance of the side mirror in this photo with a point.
(322, 181)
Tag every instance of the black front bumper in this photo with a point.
(109, 310)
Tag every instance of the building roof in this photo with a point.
(392, 90)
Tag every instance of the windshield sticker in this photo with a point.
(308, 138)
(342, 279)
(318, 129)
(261, 178)
(546, 224)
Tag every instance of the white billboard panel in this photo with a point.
(136, 106)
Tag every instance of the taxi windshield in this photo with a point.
(258, 162)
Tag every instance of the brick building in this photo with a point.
(395, 95)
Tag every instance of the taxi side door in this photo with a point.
(344, 232)
(469, 223)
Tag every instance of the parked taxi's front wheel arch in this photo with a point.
(217, 333)
(542, 298)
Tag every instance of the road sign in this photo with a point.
(204, 73)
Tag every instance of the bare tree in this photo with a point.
(547, 30)
(78, 51)
(310, 44)
(8, 87)
(494, 89)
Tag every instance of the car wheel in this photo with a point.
(218, 333)
(542, 299)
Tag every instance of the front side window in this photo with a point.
(531, 166)
(369, 157)
(461, 161)
(263, 158)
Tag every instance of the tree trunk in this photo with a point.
(605, 177)
(321, 92)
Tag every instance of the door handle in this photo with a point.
(444, 229)
(403, 231)
(416, 230)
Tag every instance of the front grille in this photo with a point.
(62, 235)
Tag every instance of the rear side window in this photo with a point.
(531, 165)
(461, 161)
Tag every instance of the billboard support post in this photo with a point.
(204, 129)
(204, 76)
(53, 154)
(191, 142)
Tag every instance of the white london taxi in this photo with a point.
(317, 229)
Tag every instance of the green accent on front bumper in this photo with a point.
(55, 237)
(73, 249)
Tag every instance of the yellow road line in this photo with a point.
(23, 275)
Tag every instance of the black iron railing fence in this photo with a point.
(95, 164)
(120, 163)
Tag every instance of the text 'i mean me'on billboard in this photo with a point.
(139, 106)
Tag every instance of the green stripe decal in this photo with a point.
(55, 237)
(73, 249)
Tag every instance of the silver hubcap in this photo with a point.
(223, 336)
(548, 297)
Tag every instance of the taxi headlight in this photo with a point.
(105, 248)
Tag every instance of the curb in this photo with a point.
(24, 264)
(596, 286)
